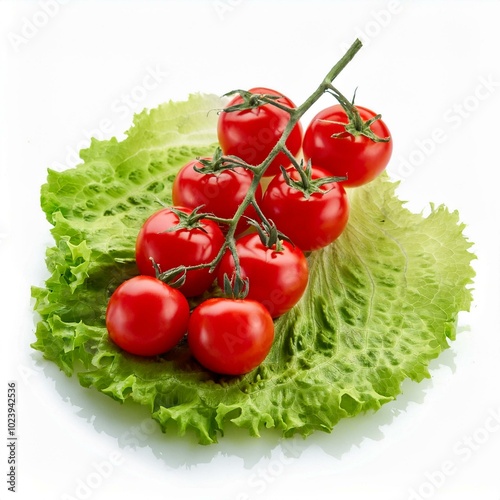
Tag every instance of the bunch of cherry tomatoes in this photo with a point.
(253, 269)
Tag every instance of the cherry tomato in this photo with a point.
(230, 336)
(220, 193)
(250, 134)
(358, 157)
(277, 278)
(171, 246)
(146, 317)
(310, 222)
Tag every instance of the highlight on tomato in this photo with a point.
(249, 129)
(308, 205)
(146, 317)
(355, 143)
(176, 237)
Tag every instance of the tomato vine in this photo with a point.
(221, 162)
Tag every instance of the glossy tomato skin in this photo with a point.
(230, 336)
(146, 317)
(360, 158)
(170, 249)
(277, 279)
(251, 134)
(310, 223)
(220, 193)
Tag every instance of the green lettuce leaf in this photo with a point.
(382, 302)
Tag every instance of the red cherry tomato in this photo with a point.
(146, 317)
(171, 247)
(310, 222)
(251, 134)
(230, 336)
(359, 158)
(277, 278)
(220, 193)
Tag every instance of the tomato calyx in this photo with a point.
(175, 277)
(212, 165)
(355, 126)
(252, 101)
(235, 287)
(218, 163)
(269, 234)
(188, 220)
(306, 184)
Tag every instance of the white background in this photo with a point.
(75, 69)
